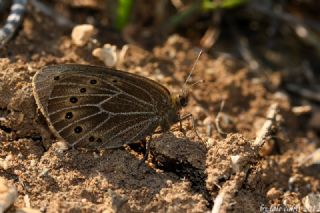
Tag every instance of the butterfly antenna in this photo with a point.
(197, 82)
(193, 67)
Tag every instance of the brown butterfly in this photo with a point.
(103, 107)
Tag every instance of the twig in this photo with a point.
(266, 128)
(285, 17)
(57, 17)
(246, 53)
(301, 110)
(303, 27)
(308, 72)
(218, 119)
(308, 94)
(178, 4)
(244, 48)
(217, 203)
(209, 38)
(227, 192)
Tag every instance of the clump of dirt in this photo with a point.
(186, 171)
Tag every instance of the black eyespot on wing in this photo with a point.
(99, 140)
(69, 115)
(56, 78)
(83, 90)
(114, 80)
(78, 129)
(73, 99)
(91, 138)
(93, 81)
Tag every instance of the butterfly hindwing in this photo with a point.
(98, 106)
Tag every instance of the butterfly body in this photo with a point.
(103, 107)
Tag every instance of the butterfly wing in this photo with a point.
(98, 106)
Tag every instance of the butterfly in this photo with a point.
(104, 107)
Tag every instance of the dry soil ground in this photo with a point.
(184, 173)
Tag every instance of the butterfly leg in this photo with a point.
(181, 127)
(185, 117)
(147, 154)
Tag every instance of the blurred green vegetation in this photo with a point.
(123, 13)
(124, 10)
(225, 4)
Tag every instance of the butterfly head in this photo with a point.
(181, 99)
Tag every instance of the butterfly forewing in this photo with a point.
(99, 106)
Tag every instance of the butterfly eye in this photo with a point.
(83, 90)
(183, 101)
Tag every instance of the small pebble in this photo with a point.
(81, 34)
(107, 54)
(292, 182)
(235, 162)
(4, 164)
(8, 194)
(273, 193)
(169, 182)
(281, 96)
(33, 163)
(62, 146)
(300, 110)
(26, 199)
(267, 148)
(123, 52)
(9, 157)
(311, 159)
(312, 202)
(210, 142)
(207, 120)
